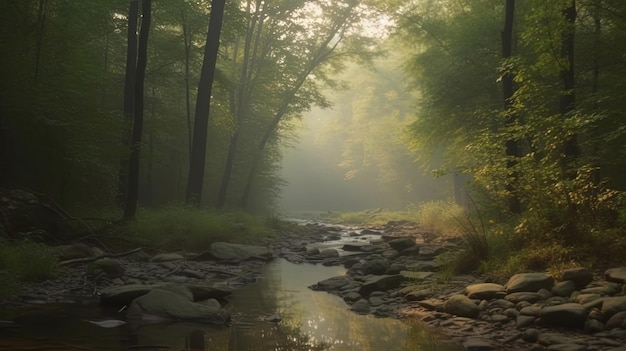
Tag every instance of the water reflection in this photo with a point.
(311, 321)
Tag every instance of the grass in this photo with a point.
(182, 228)
(22, 262)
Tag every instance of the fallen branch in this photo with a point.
(91, 259)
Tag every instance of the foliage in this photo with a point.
(568, 204)
(181, 228)
(442, 218)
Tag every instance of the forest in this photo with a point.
(112, 108)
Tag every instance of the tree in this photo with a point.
(508, 90)
(135, 142)
(203, 101)
(129, 90)
(317, 50)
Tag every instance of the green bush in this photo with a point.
(191, 229)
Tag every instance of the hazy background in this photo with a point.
(317, 181)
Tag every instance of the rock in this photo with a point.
(462, 306)
(569, 315)
(73, 251)
(587, 298)
(167, 257)
(376, 266)
(211, 302)
(485, 291)
(390, 254)
(192, 273)
(162, 305)
(410, 251)
(567, 347)
(618, 320)
(361, 306)
(402, 243)
(476, 344)
(529, 282)
(125, 294)
(531, 335)
(418, 295)
(616, 275)
(353, 246)
(547, 339)
(395, 268)
(501, 303)
(534, 311)
(333, 283)
(606, 288)
(381, 283)
(523, 296)
(564, 288)
(329, 253)
(112, 268)
(239, 252)
(432, 304)
(312, 251)
(202, 292)
(352, 297)
(613, 305)
(581, 277)
(415, 276)
(523, 321)
(593, 326)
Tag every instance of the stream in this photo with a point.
(310, 321)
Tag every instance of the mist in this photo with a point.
(317, 181)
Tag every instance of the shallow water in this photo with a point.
(310, 321)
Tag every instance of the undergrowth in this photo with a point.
(185, 228)
(24, 261)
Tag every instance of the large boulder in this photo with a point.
(124, 295)
(402, 243)
(112, 268)
(376, 266)
(462, 306)
(616, 275)
(580, 276)
(239, 252)
(485, 291)
(380, 283)
(333, 283)
(567, 315)
(166, 305)
(529, 282)
(613, 305)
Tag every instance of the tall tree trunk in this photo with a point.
(203, 101)
(239, 101)
(41, 20)
(568, 95)
(508, 90)
(187, 42)
(129, 94)
(135, 142)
